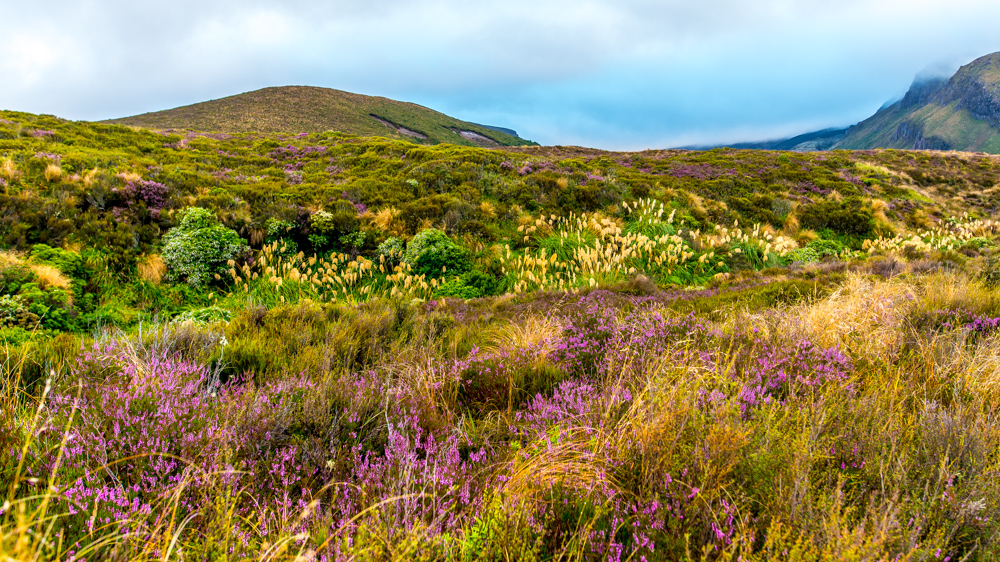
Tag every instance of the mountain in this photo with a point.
(960, 113)
(808, 142)
(305, 109)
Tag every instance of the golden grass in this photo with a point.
(48, 276)
(947, 237)
(865, 315)
(8, 170)
(152, 269)
(336, 277)
(128, 176)
(9, 258)
(53, 172)
(90, 177)
(535, 331)
(488, 210)
(387, 220)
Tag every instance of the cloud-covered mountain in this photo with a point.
(960, 113)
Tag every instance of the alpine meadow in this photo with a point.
(433, 340)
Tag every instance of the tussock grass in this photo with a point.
(152, 269)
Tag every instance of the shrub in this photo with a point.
(471, 285)
(432, 253)
(850, 216)
(826, 248)
(199, 247)
(342, 221)
(392, 250)
(70, 263)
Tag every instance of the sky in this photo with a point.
(611, 74)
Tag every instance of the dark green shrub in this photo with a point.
(851, 216)
(755, 209)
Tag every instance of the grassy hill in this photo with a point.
(304, 109)
(962, 113)
(288, 347)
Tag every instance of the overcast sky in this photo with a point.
(615, 74)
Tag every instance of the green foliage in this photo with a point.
(13, 312)
(70, 263)
(353, 240)
(432, 253)
(392, 250)
(802, 255)
(826, 248)
(15, 276)
(199, 247)
(851, 216)
(471, 285)
(276, 229)
(205, 315)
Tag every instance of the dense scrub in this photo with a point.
(329, 347)
(107, 196)
(860, 424)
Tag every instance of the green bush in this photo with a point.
(199, 247)
(826, 248)
(70, 263)
(851, 216)
(432, 251)
(471, 285)
(392, 250)
(802, 255)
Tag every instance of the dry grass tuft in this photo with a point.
(10, 258)
(488, 210)
(8, 170)
(89, 178)
(128, 176)
(49, 276)
(536, 331)
(53, 172)
(879, 208)
(387, 220)
(152, 269)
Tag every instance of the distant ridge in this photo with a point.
(307, 109)
(510, 132)
(808, 142)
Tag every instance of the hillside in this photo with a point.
(296, 347)
(305, 109)
(961, 113)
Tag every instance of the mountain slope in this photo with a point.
(961, 113)
(305, 109)
(808, 142)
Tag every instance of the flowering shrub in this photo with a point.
(199, 247)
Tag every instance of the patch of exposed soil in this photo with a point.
(481, 140)
(398, 128)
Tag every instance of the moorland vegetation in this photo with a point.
(323, 346)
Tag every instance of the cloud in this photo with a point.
(626, 73)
